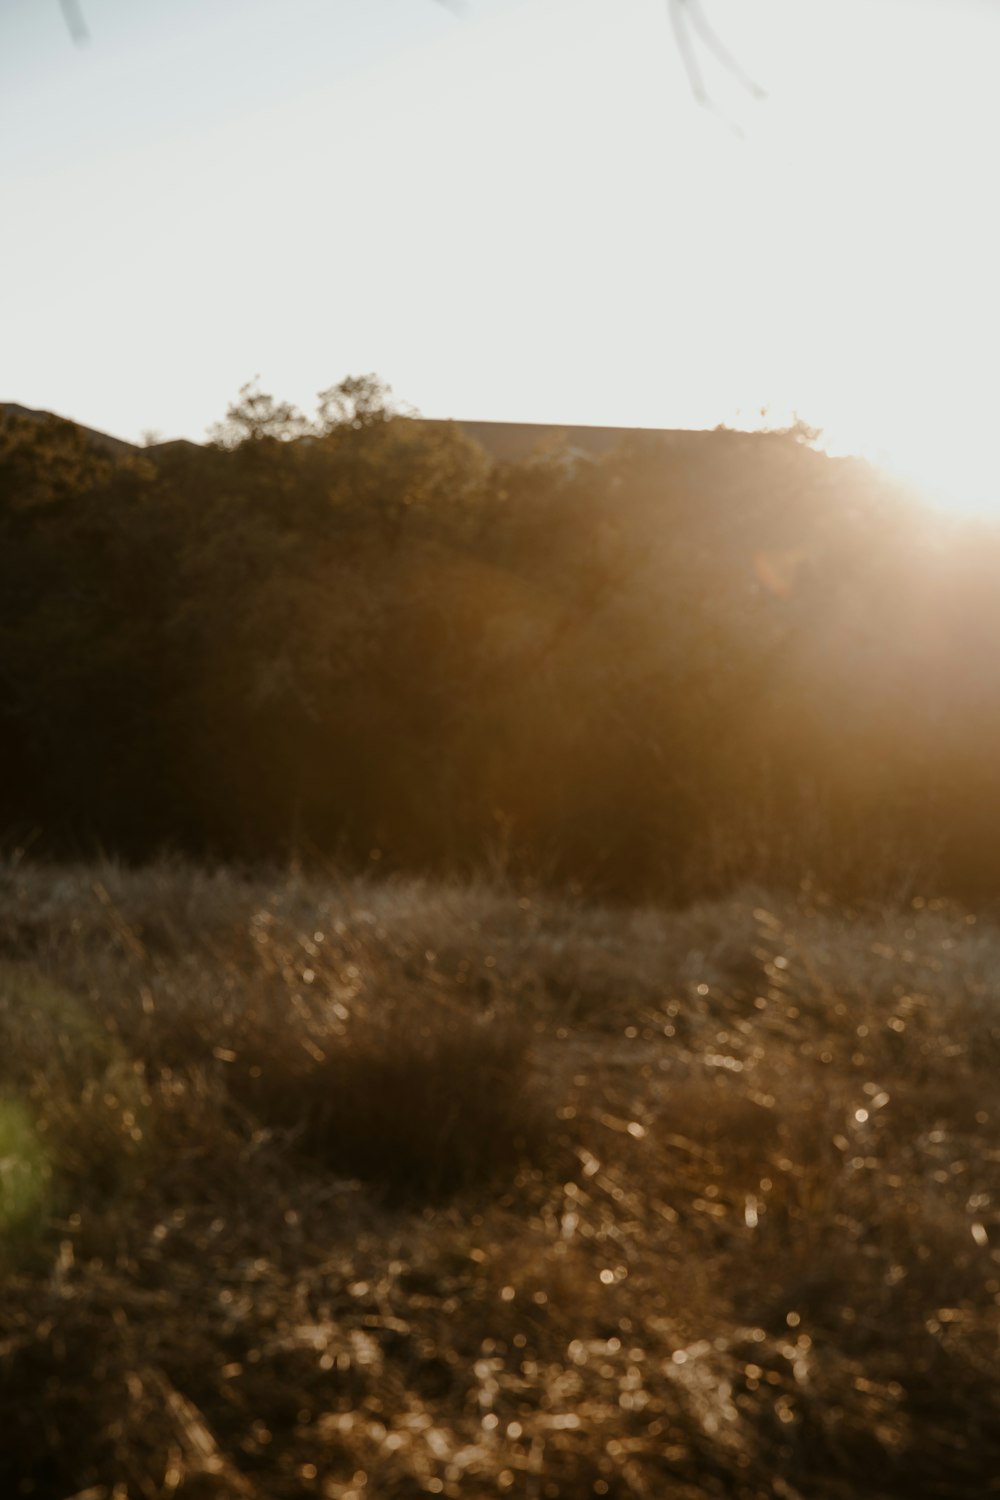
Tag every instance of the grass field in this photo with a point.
(313, 1187)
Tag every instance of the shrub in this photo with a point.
(421, 1099)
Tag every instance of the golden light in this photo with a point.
(948, 470)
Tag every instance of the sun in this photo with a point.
(946, 458)
(958, 473)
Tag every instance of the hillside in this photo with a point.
(324, 1187)
(10, 411)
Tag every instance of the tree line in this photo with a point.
(696, 659)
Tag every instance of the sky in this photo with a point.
(511, 209)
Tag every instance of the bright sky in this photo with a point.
(517, 212)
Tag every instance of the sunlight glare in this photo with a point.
(951, 473)
(950, 462)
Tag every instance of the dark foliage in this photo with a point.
(698, 657)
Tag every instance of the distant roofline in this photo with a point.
(518, 440)
(511, 441)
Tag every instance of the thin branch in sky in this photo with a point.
(715, 45)
(687, 16)
(678, 20)
(75, 24)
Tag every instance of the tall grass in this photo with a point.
(313, 1187)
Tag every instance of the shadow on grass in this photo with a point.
(421, 1103)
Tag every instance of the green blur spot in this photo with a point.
(25, 1174)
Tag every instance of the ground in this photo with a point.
(311, 1186)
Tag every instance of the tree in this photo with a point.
(256, 415)
(358, 401)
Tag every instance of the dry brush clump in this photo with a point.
(323, 1188)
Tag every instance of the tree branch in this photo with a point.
(75, 23)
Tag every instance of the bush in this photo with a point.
(422, 1099)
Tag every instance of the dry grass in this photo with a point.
(313, 1188)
